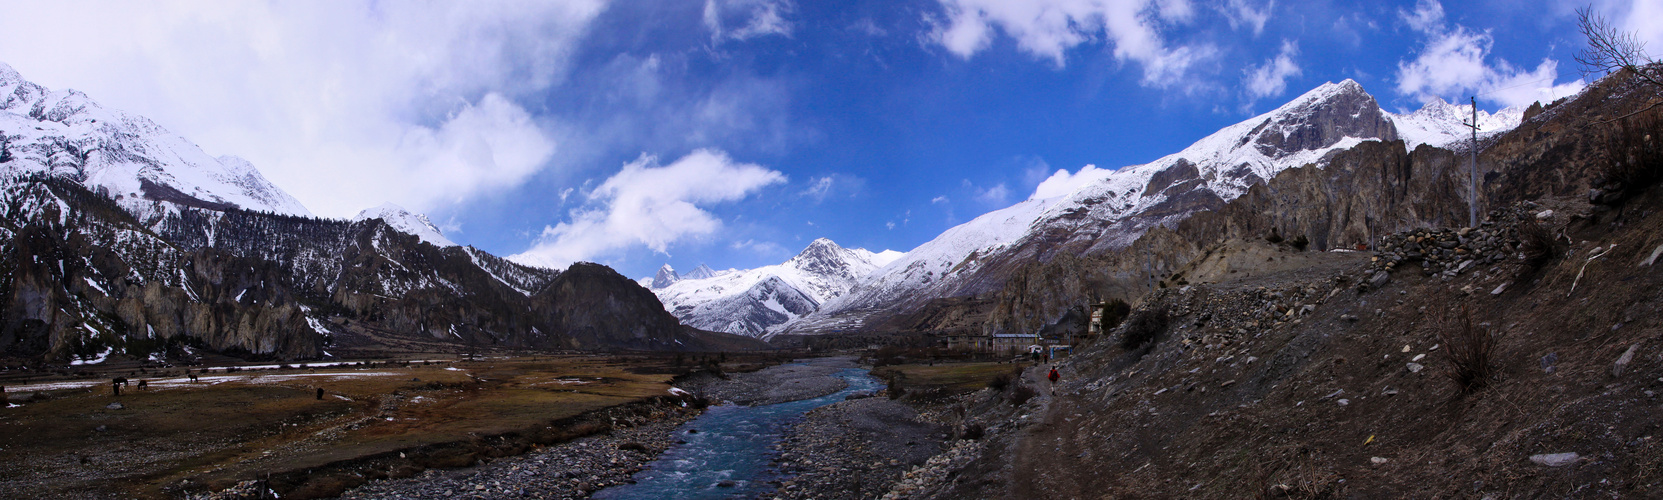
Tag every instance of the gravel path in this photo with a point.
(855, 449)
(570, 470)
(803, 379)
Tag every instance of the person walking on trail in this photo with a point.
(1053, 376)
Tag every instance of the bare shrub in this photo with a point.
(1000, 382)
(1145, 326)
(1470, 352)
(1536, 243)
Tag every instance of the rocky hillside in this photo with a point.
(1518, 359)
(120, 238)
(1334, 142)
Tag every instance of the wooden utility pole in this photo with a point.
(1472, 169)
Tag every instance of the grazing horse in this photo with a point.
(144, 384)
(191, 375)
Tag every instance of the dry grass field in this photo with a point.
(70, 439)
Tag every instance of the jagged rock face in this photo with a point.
(1349, 112)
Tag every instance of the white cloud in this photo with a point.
(939, 200)
(1642, 20)
(1241, 13)
(1453, 63)
(997, 195)
(818, 188)
(1428, 17)
(345, 104)
(1047, 29)
(1063, 183)
(649, 205)
(757, 18)
(1271, 78)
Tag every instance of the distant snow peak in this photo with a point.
(666, 276)
(699, 273)
(1442, 124)
(752, 301)
(407, 222)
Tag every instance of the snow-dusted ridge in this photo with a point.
(134, 160)
(1108, 209)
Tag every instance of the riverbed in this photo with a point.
(729, 451)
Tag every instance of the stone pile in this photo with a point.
(1450, 252)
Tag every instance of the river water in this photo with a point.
(732, 443)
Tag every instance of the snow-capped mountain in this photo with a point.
(1441, 124)
(749, 302)
(407, 222)
(133, 160)
(1097, 209)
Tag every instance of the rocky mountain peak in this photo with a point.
(1320, 119)
(666, 276)
(823, 257)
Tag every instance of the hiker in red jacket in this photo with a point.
(1053, 378)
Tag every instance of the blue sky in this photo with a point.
(734, 132)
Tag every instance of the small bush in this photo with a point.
(1470, 352)
(1300, 242)
(1144, 327)
(972, 431)
(1273, 237)
(1536, 243)
(1115, 313)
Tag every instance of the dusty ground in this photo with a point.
(1349, 399)
(64, 439)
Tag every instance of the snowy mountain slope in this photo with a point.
(410, 223)
(749, 302)
(129, 157)
(1097, 210)
(1440, 124)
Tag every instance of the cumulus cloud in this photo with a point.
(1047, 29)
(1454, 62)
(649, 205)
(1271, 78)
(1062, 183)
(754, 18)
(1241, 13)
(345, 104)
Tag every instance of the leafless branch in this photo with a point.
(1611, 50)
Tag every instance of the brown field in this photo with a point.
(943, 378)
(179, 436)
